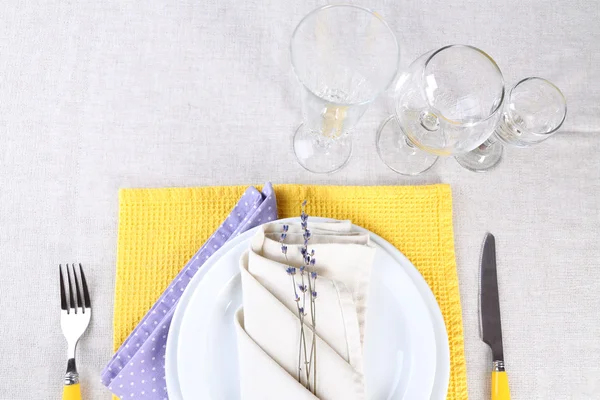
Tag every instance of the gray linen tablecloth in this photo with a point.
(99, 95)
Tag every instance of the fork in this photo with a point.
(74, 320)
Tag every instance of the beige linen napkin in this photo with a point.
(268, 327)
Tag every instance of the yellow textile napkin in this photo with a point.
(160, 230)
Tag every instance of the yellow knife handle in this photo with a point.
(72, 392)
(500, 390)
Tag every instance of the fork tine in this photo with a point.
(86, 293)
(77, 292)
(73, 306)
(63, 297)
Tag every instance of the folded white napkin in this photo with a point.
(268, 326)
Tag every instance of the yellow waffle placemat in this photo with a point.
(160, 230)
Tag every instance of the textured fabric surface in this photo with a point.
(101, 95)
(137, 369)
(415, 219)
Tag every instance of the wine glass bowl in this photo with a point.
(536, 109)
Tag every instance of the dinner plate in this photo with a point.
(406, 345)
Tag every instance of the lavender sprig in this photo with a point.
(291, 271)
(310, 261)
(305, 286)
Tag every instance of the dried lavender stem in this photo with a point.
(301, 330)
(310, 285)
(302, 340)
(313, 353)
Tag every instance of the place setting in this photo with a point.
(229, 326)
(309, 292)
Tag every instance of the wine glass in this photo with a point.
(344, 56)
(534, 111)
(447, 102)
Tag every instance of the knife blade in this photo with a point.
(489, 302)
(490, 321)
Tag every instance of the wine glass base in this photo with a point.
(481, 159)
(396, 151)
(321, 156)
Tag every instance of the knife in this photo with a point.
(489, 318)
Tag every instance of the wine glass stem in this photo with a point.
(489, 142)
(410, 145)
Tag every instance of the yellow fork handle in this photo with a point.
(500, 390)
(72, 392)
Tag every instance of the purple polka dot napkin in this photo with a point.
(137, 370)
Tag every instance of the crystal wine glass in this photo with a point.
(344, 56)
(534, 111)
(447, 102)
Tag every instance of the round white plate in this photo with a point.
(406, 345)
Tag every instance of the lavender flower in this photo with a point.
(302, 288)
(291, 271)
(304, 220)
(314, 294)
(313, 274)
(306, 236)
(284, 249)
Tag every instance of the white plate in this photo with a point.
(406, 345)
